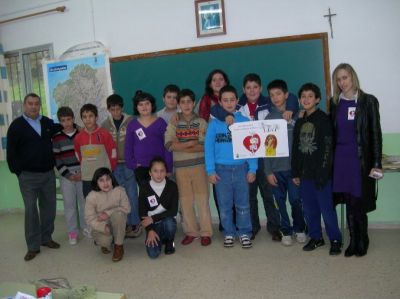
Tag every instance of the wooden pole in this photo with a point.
(57, 9)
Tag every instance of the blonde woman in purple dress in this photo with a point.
(358, 154)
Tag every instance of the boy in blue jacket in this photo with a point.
(231, 177)
(254, 105)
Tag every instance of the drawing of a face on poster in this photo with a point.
(271, 143)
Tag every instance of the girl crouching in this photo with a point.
(106, 210)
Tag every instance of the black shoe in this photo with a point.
(254, 234)
(30, 255)
(276, 236)
(336, 247)
(351, 249)
(363, 245)
(169, 247)
(313, 244)
(51, 244)
(363, 240)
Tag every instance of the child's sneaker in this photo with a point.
(245, 241)
(301, 237)
(287, 240)
(133, 231)
(336, 247)
(73, 238)
(314, 244)
(229, 241)
(87, 232)
(276, 236)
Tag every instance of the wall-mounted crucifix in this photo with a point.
(329, 16)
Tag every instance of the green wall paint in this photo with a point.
(296, 62)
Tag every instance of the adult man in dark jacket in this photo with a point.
(30, 157)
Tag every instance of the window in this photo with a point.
(3, 143)
(25, 75)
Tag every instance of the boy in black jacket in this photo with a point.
(312, 170)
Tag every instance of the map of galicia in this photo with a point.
(76, 82)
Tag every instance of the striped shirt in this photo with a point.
(64, 154)
(184, 131)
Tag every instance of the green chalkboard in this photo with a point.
(295, 59)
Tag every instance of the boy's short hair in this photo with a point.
(252, 77)
(186, 93)
(310, 87)
(115, 100)
(228, 88)
(89, 108)
(279, 84)
(64, 112)
(141, 96)
(170, 88)
(98, 174)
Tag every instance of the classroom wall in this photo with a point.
(365, 31)
(365, 34)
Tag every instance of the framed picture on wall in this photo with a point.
(210, 17)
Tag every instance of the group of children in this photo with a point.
(106, 164)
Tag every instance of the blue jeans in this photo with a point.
(315, 203)
(126, 178)
(269, 204)
(165, 229)
(287, 187)
(233, 191)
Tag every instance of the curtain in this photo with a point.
(5, 105)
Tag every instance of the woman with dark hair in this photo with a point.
(216, 79)
(145, 138)
(358, 154)
(106, 210)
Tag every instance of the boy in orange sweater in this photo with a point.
(94, 147)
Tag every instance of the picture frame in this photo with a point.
(210, 17)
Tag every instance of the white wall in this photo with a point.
(366, 32)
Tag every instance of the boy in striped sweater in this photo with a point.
(186, 140)
(69, 169)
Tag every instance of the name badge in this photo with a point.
(351, 113)
(140, 134)
(152, 201)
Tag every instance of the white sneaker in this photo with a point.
(287, 240)
(229, 241)
(87, 232)
(301, 237)
(245, 241)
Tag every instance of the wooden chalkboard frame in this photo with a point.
(323, 36)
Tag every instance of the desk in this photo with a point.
(11, 289)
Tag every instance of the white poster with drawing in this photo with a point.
(260, 139)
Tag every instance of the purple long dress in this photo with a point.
(346, 168)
